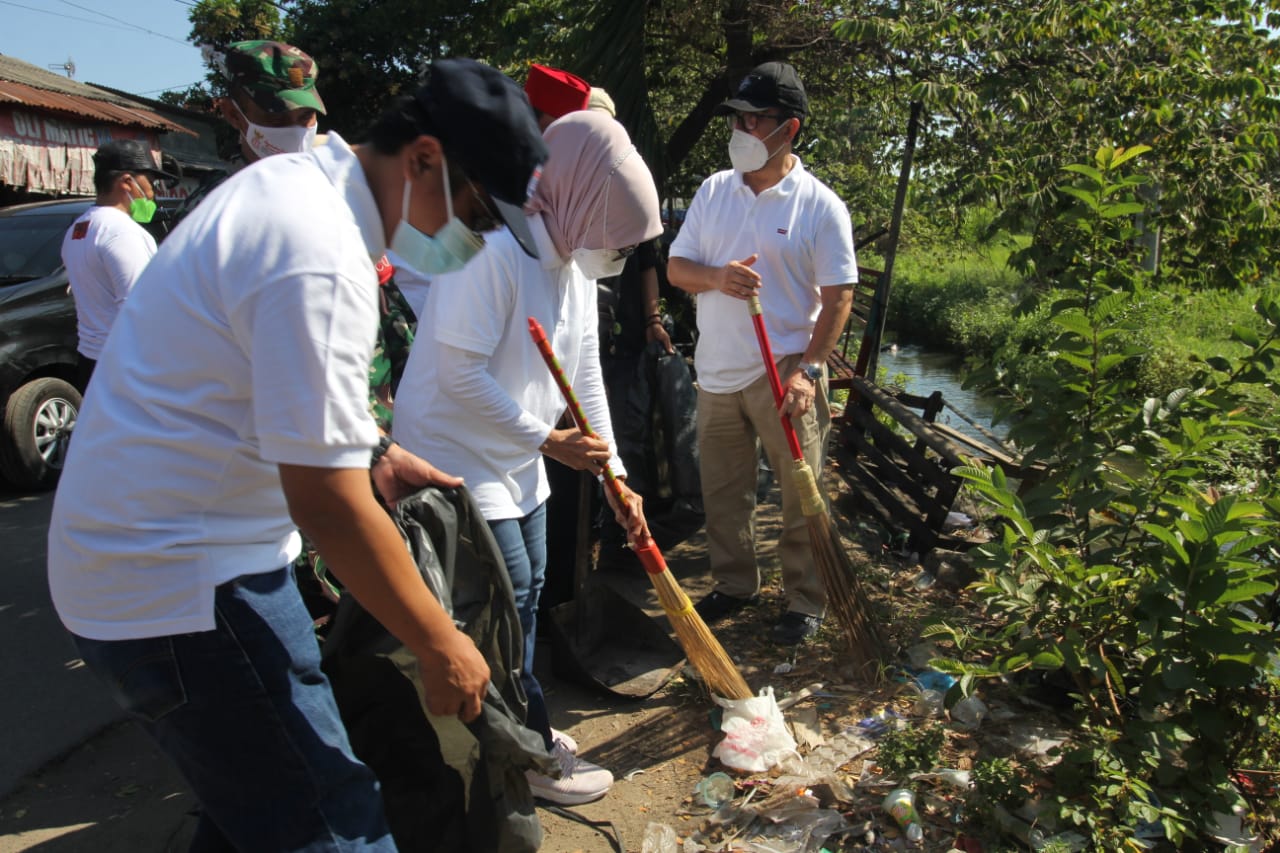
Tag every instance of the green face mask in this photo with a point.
(142, 209)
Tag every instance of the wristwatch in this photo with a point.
(384, 444)
(811, 370)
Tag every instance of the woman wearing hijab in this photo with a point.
(478, 401)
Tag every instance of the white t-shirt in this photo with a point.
(245, 343)
(802, 233)
(104, 252)
(476, 399)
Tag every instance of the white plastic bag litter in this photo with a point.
(755, 734)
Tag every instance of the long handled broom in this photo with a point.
(700, 645)
(844, 594)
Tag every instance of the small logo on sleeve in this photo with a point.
(782, 231)
(80, 231)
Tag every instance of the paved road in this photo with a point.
(50, 703)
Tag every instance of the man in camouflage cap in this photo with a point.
(271, 96)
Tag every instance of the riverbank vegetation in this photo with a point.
(1127, 564)
(964, 297)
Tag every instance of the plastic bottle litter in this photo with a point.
(659, 838)
(956, 778)
(900, 804)
(928, 704)
(716, 790)
(879, 722)
(1016, 827)
(969, 712)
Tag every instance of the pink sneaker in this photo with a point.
(566, 739)
(580, 781)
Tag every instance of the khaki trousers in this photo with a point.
(730, 429)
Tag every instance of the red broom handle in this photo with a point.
(647, 551)
(771, 370)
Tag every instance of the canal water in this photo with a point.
(927, 371)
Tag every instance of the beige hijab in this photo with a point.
(595, 192)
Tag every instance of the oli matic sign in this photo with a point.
(54, 155)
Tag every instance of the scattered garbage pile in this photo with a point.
(789, 785)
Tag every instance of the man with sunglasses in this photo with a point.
(106, 249)
(231, 410)
(766, 228)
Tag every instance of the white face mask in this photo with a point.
(747, 153)
(599, 263)
(596, 264)
(447, 250)
(266, 141)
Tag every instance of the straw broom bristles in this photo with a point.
(845, 597)
(700, 645)
(844, 593)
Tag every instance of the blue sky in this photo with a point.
(138, 46)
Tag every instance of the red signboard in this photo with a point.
(48, 154)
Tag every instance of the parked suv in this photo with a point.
(38, 392)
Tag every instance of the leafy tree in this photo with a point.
(372, 50)
(1012, 89)
(225, 21)
(666, 65)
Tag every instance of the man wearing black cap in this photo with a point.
(766, 228)
(232, 405)
(106, 249)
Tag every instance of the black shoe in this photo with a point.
(716, 605)
(794, 628)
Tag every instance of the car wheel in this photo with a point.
(37, 427)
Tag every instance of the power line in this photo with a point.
(181, 88)
(60, 15)
(127, 23)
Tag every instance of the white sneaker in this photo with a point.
(565, 738)
(580, 781)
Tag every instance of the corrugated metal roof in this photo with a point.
(24, 84)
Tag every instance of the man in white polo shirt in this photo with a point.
(766, 227)
(232, 404)
(106, 249)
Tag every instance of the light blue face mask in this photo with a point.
(447, 250)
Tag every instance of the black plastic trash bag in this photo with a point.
(654, 408)
(375, 679)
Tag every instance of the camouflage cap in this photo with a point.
(277, 76)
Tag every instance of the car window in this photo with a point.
(31, 245)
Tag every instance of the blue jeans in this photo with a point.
(523, 542)
(251, 722)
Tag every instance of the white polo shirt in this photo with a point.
(104, 252)
(804, 238)
(245, 343)
(476, 399)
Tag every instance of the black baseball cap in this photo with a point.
(128, 155)
(486, 125)
(768, 86)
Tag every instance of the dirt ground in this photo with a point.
(117, 793)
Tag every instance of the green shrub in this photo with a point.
(997, 782)
(910, 749)
(1129, 566)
